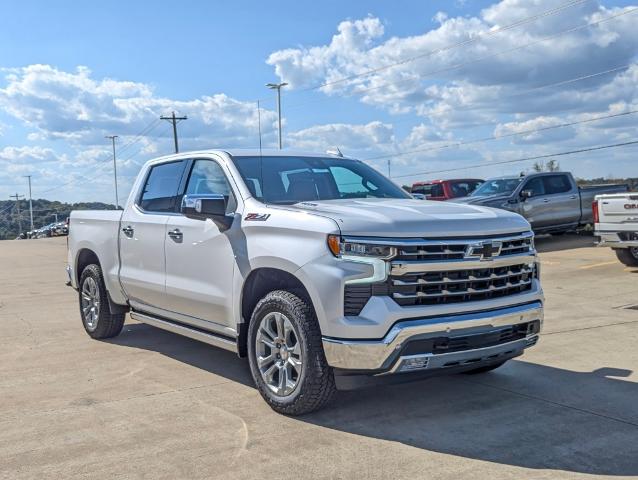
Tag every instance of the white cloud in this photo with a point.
(358, 138)
(79, 109)
(432, 83)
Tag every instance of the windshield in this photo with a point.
(497, 186)
(289, 180)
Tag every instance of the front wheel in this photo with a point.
(286, 355)
(628, 256)
(97, 318)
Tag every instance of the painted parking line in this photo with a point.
(594, 265)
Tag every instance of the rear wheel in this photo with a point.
(286, 355)
(628, 256)
(97, 318)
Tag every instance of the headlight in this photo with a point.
(343, 248)
(368, 253)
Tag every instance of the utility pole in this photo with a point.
(30, 202)
(112, 138)
(173, 119)
(18, 197)
(277, 86)
(389, 169)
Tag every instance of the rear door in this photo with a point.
(143, 234)
(563, 200)
(200, 260)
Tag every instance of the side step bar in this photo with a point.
(180, 329)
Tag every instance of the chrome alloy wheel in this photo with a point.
(278, 354)
(90, 303)
(634, 252)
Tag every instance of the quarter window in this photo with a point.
(161, 187)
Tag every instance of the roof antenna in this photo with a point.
(261, 158)
(259, 125)
(334, 151)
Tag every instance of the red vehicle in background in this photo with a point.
(446, 189)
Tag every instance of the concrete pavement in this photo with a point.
(150, 404)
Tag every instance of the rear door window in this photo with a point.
(556, 184)
(161, 188)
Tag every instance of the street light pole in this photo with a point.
(117, 202)
(277, 86)
(30, 202)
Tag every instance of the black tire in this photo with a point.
(315, 385)
(486, 368)
(104, 324)
(628, 256)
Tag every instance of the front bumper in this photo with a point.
(395, 353)
(625, 239)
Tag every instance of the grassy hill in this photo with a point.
(44, 212)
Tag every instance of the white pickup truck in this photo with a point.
(316, 267)
(616, 225)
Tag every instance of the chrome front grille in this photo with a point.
(458, 249)
(441, 271)
(452, 286)
(431, 272)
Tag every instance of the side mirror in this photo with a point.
(204, 206)
(525, 194)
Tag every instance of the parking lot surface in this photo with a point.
(151, 404)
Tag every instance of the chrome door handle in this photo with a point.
(545, 200)
(128, 231)
(573, 197)
(175, 234)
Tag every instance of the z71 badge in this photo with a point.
(257, 217)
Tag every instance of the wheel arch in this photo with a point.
(86, 257)
(259, 283)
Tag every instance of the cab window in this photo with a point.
(160, 190)
(208, 178)
(556, 184)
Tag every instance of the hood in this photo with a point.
(415, 218)
(482, 199)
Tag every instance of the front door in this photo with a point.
(200, 260)
(143, 234)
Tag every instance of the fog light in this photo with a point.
(414, 363)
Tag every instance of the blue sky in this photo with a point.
(72, 72)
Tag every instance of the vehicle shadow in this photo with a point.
(523, 414)
(569, 241)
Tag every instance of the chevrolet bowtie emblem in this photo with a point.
(486, 250)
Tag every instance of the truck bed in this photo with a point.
(98, 231)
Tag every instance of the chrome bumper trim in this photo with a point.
(382, 354)
(405, 267)
(431, 361)
(611, 239)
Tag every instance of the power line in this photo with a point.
(145, 131)
(498, 137)
(524, 159)
(463, 43)
(173, 119)
(18, 197)
(358, 92)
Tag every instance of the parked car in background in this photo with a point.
(616, 225)
(446, 189)
(552, 202)
(316, 267)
